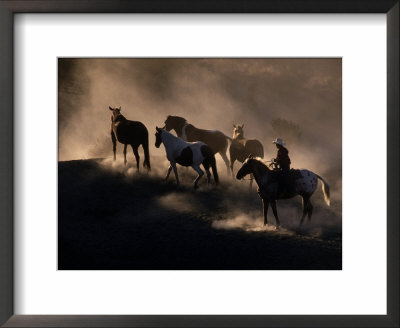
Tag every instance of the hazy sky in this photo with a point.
(209, 93)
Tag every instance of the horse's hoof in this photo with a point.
(195, 186)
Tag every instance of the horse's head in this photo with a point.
(246, 168)
(169, 123)
(158, 137)
(115, 112)
(238, 131)
(174, 122)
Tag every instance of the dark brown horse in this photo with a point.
(241, 148)
(216, 140)
(129, 133)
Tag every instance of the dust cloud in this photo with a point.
(298, 100)
(210, 94)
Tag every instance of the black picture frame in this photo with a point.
(10, 7)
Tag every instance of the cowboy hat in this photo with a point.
(279, 141)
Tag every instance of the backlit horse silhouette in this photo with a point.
(216, 140)
(129, 133)
(267, 182)
(241, 148)
(187, 154)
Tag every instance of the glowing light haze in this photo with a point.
(209, 93)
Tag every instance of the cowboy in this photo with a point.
(283, 161)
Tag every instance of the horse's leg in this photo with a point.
(231, 165)
(274, 210)
(303, 216)
(265, 210)
(207, 168)
(310, 210)
(200, 174)
(114, 142)
(125, 145)
(136, 153)
(306, 200)
(208, 176)
(225, 158)
(251, 180)
(168, 172)
(176, 173)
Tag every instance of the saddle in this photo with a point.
(287, 186)
(293, 175)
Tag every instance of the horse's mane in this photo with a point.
(177, 117)
(260, 160)
(165, 131)
(170, 134)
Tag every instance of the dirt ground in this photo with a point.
(112, 218)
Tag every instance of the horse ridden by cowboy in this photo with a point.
(282, 163)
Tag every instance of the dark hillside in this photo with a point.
(112, 220)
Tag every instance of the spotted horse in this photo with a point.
(304, 185)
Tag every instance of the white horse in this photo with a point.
(268, 182)
(187, 154)
(215, 139)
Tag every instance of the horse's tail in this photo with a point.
(325, 190)
(146, 161)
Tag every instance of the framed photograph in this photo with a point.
(186, 225)
(166, 166)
